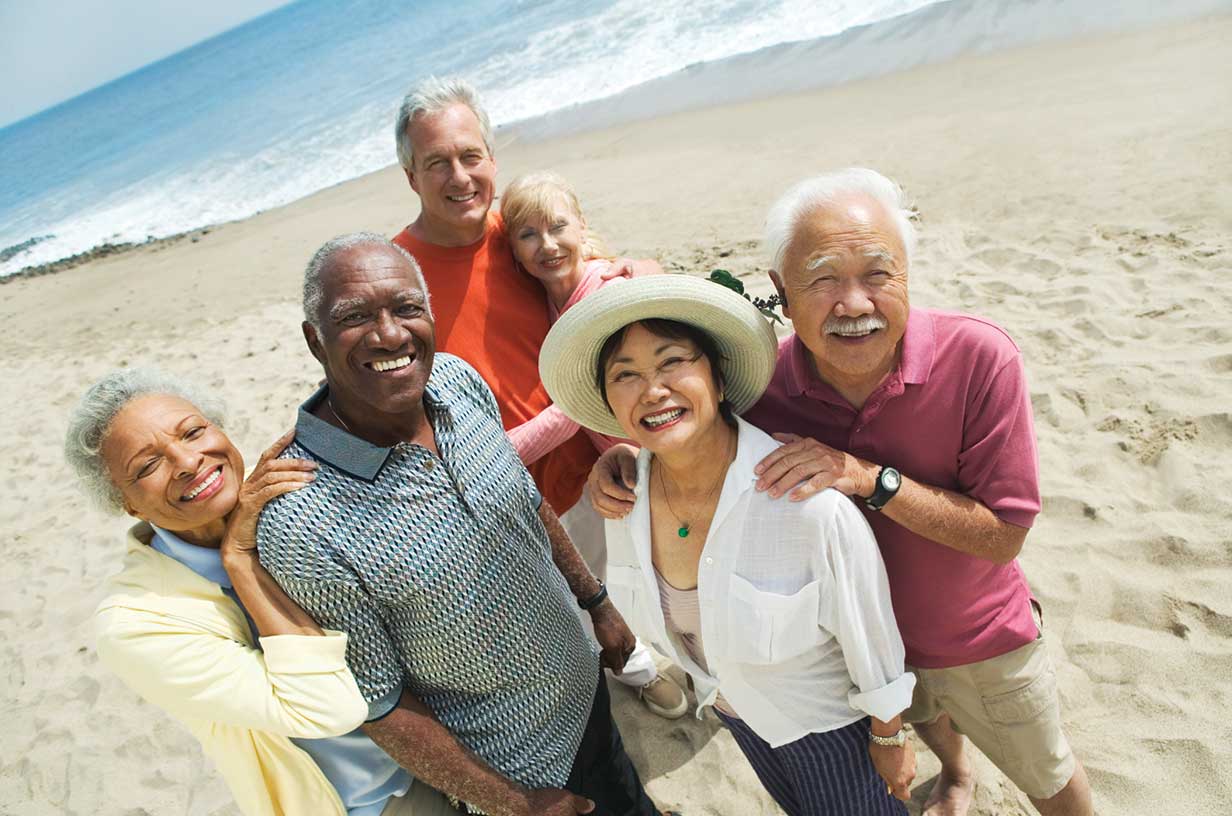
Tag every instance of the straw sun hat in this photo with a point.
(570, 353)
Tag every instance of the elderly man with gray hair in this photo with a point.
(494, 316)
(425, 540)
(923, 418)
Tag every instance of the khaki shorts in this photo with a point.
(1008, 707)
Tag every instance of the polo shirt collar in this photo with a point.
(205, 561)
(348, 452)
(916, 363)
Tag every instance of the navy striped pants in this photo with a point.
(827, 774)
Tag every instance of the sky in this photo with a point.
(53, 50)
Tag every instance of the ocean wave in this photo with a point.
(580, 52)
(581, 65)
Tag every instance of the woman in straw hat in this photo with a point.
(780, 612)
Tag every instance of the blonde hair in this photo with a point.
(537, 195)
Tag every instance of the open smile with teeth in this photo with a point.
(204, 485)
(390, 365)
(853, 332)
(663, 418)
(553, 263)
(461, 199)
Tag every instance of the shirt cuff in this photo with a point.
(1019, 518)
(384, 704)
(887, 702)
(305, 654)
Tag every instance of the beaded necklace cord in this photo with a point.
(685, 526)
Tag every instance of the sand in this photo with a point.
(1077, 193)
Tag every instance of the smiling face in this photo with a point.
(844, 278)
(173, 467)
(550, 246)
(376, 338)
(454, 174)
(662, 390)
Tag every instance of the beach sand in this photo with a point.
(1077, 193)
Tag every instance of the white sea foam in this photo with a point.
(634, 58)
(570, 61)
(634, 41)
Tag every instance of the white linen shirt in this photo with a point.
(796, 619)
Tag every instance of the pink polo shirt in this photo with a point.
(955, 414)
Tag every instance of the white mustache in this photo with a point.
(853, 325)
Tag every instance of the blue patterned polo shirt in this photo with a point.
(441, 574)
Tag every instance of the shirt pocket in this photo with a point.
(767, 627)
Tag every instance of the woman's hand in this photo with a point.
(895, 766)
(631, 268)
(271, 478)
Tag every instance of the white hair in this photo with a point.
(91, 420)
(434, 95)
(807, 196)
(314, 290)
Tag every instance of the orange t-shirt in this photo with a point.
(494, 316)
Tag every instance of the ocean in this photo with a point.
(305, 97)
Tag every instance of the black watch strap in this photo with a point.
(594, 600)
(889, 481)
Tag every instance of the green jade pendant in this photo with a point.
(683, 532)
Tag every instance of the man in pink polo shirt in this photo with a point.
(923, 418)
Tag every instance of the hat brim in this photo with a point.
(568, 359)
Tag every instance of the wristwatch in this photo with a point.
(889, 481)
(594, 600)
(893, 741)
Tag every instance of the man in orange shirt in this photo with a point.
(490, 313)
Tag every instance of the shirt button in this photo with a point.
(709, 560)
(428, 465)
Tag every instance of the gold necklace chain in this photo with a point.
(685, 526)
(338, 416)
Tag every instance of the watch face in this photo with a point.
(890, 479)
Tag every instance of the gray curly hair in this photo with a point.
(91, 420)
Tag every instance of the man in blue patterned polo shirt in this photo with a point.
(424, 538)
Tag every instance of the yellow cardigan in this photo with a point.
(181, 643)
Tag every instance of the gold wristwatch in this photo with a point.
(893, 741)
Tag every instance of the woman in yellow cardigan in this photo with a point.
(195, 625)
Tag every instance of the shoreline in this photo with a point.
(1078, 194)
(108, 250)
(935, 34)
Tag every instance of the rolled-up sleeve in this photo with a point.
(859, 614)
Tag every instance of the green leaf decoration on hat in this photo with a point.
(764, 305)
(724, 278)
